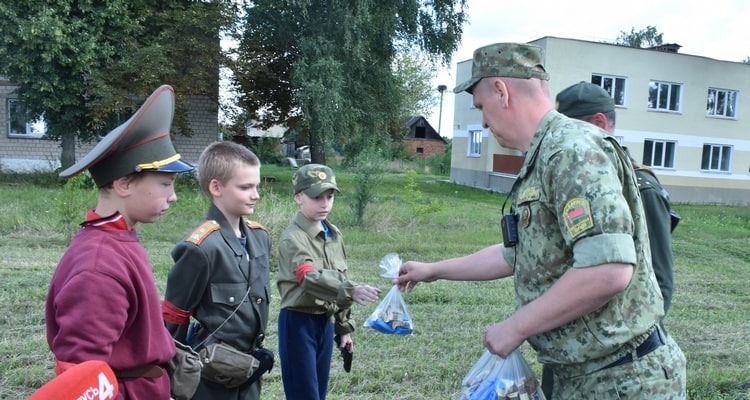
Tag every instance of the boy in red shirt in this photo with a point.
(103, 303)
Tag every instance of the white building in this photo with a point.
(679, 114)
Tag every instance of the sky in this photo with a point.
(719, 29)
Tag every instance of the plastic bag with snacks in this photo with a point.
(391, 315)
(496, 378)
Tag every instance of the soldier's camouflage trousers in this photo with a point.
(659, 375)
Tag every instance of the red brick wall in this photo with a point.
(429, 147)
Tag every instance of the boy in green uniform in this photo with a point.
(316, 294)
(221, 272)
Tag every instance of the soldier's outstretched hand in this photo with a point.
(410, 273)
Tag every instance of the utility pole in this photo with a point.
(441, 89)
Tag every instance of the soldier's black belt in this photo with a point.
(652, 342)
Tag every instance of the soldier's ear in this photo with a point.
(600, 120)
(500, 89)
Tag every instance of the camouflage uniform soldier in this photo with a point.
(575, 243)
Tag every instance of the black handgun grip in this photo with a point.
(346, 353)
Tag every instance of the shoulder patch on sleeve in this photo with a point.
(577, 216)
(255, 225)
(202, 231)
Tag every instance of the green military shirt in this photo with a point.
(578, 206)
(326, 289)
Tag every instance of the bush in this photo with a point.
(368, 169)
(79, 193)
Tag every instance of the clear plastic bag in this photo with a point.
(391, 315)
(495, 378)
(389, 265)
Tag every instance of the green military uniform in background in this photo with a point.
(658, 218)
(584, 100)
(582, 217)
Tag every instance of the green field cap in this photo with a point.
(584, 98)
(511, 60)
(314, 179)
(142, 143)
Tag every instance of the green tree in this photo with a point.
(647, 37)
(82, 64)
(413, 73)
(329, 64)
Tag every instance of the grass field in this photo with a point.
(431, 220)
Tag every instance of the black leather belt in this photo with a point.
(652, 342)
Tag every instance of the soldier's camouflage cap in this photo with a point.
(511, 60)
(584, 98)
(142, 143)
(314, 179)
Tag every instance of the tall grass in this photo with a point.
(709, 318)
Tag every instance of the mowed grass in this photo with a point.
(709, 317)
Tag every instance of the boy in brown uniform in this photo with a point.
(315, 289)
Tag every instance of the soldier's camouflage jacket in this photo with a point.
(578, 206)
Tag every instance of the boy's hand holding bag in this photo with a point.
(391, 315)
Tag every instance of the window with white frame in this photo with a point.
(19, 126)
(475, 143)
(664, 96)
(659, 153)
(716, 157)
(614, 85)
(721, 103)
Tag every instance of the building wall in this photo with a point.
(570, 61)
(28, 154)
(203, 118)
(429, 147)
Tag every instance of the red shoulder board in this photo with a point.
(202, 231)
(255, 225)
